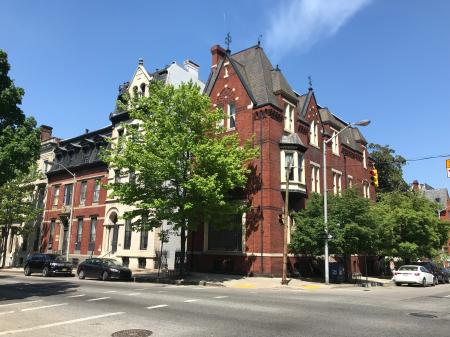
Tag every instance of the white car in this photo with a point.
(411, 274)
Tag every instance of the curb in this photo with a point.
(138, 279)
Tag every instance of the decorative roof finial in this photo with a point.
(228, 41)
(141, 61)
(259, 39)
(310, 83)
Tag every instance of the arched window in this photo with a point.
(142, 89)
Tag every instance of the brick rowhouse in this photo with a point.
(258, 101)
(80, 155)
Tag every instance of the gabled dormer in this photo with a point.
(309, 117)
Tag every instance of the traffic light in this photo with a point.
(281, 219)
(374, 177)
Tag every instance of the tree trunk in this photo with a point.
(183, 251)
(5, 246)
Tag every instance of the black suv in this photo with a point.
(433, 269)
(47, 264)
(104, 269)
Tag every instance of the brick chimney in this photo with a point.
(415, 186)
(217, 53)
(46, 132)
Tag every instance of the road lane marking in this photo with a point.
(98, 299)
(218, 297)
(447, 296)
(16, 303)
(60, 323)
(139, 289)
(157, 306)
(134, 294)
(44, 307)
(7, 312)
(110, 291)
(72, 296)
(189, 301)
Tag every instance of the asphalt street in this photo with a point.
(58, 306)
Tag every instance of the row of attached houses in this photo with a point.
(258, 101)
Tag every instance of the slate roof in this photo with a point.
(80, 151)
(261, 80)
(439, 195)
(291, 140)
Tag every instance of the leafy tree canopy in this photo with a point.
(389, 166)
(19, 137)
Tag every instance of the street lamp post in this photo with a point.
(288, 168)
(325, 194)
(71, 204)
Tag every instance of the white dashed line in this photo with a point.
(134, 294)
(7, 312)
(97, 299)
(218, 297)
(59, 323)
(110, 291)
(44, 307)
(17, 303)
(189, 301)
(447, 296)
(157, 306)
(72, 296)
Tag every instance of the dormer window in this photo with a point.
(231, 116)
(86, 153)
(289, 118)
(314, 133)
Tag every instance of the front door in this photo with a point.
(65, 237)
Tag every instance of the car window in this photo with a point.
(423, 269)
(111, 262)
(408, 268)
(36, 257)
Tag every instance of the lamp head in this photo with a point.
(364, 122)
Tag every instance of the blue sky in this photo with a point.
(388, 61)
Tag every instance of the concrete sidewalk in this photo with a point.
(237, 281)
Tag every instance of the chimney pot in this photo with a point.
(217, 53)
(141, 61)
(46, 132)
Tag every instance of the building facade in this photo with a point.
(139, 249)
(258, 101)
(75, 207)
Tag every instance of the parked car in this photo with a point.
(445, 275)
(104, 269)
(413, 274)
(435, 270)
(47, 264)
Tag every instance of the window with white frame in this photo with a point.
(366, 189)
(221, 122)
(335, 143)
(349, 181)
(337, 182)
(297, 170)
(315, 178)
(289, 118)
(314, 133)
(364, 158)
(231, 116)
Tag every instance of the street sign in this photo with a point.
(447, 164)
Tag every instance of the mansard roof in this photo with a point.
(261, 80)
(80, 151)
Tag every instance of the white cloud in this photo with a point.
(297, 24)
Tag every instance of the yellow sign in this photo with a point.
(447, 163)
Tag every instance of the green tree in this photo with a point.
(389, 166)
(407, 226)
(17, 206)
(186, 169)
(19, 137)
(349, 222)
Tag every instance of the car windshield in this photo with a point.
(111, 262)
(408, 268)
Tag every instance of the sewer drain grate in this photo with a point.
(419, 314)
(132, 333)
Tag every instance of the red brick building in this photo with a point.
(80, 155)
(257, 100)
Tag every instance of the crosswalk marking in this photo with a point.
(98, 299)
(189, 301)
(110, 291)
(72, 296)
(220, 297)
(134, 294)
(44, 307)
(157, 306)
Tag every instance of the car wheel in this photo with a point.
(398, 284)
(27, 271)
(424, 282)
(105, 276)
(81, 274)
(45, 272)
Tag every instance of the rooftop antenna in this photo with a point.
(259, 39)
(228, 41)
